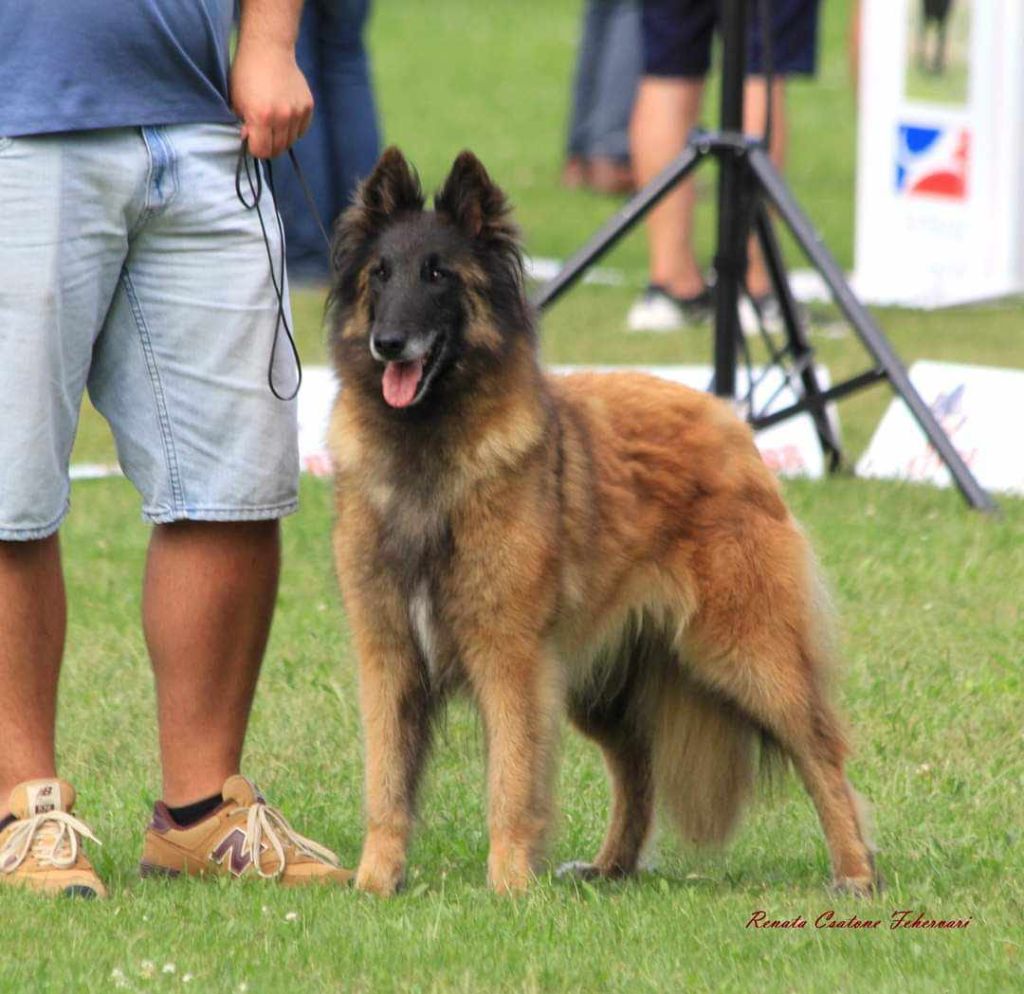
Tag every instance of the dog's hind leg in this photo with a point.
(760, 639)
(627, 756)
(812, 738)
(780, 693)
(841, 809)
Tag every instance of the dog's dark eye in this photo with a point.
(381, 271)
(433, 272)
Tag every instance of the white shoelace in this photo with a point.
(30, 836)
(265, 821)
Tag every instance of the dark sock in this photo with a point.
(191, 813)
(4, 822)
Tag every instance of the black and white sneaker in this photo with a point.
(659, 310)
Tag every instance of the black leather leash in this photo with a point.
(249, 168)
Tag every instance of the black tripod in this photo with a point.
(748, 184)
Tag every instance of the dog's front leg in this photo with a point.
(520, 697)
(396, 706)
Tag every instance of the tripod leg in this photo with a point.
(796, 336)
(734, 190)
(861, 321)
(621, 222)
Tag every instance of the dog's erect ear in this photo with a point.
(472, 200)
(392, 188)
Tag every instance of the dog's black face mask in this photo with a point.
(424, 300)
(416, 310)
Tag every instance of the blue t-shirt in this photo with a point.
(68, 65)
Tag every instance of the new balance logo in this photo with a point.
(233, 845)
(42, 798)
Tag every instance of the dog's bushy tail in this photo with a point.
(705, 759)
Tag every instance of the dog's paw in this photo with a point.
(509, 882)
(511, 886)
(509, 870)
(864, 887)
(378, 879)
(869, 884)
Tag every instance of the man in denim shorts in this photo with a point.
(677, 36)
(131, 268)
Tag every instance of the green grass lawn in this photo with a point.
(930, 598)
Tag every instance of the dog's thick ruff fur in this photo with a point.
(607, 546)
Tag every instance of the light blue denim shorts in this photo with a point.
(128, 266)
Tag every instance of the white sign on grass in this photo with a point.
(979, 407)
(316, 398)
(790, 448)
(93, 471)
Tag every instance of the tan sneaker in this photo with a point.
(42, 848)
(243, 837)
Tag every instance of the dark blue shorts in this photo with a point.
(677, 36)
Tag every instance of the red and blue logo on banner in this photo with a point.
(932, 162)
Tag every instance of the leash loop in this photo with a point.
(249, 168)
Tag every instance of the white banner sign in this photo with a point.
(982, 411)
(316, 398)
(940, 199)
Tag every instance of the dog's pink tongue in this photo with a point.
(400, 382)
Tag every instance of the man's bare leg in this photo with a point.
(33, 621)
(755, 106)
(208, 601)
(665, 113)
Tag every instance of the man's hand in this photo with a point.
(271, 96)
(268, 91)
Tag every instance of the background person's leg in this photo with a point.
(794, 52)
(677, 37)
(353, 134)
(207, 605)
(755, 106)
(305, 249)
(618, 73)
(666, 112)
(584, 93)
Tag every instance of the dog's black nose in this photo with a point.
(389, 344)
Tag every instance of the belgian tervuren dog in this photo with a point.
(607, 546)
